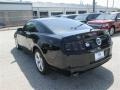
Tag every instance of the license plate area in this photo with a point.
(99, 55)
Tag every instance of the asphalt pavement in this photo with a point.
(18, 71)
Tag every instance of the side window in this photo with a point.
(71, 17)
(95, 16)
(41, 28)
(90, 17)
(25, 27)
(118, 16)
(30, 27)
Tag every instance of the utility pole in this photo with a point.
(107, 6)
(113, 4)
(81, 2)
(94, 6)
(20, 0)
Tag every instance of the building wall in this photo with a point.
(14, 14)
(15, 6)
(59, 10)
(13, 18)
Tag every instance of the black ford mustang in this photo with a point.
(64, 43)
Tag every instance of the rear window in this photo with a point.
(72, 16)
(62, 25)
(82, 17)
(92, 16)
(106, 17)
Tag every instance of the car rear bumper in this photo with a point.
(90, 66)
(76, 63)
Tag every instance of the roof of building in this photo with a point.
(15, 6)
(15, 3)
(61, 5)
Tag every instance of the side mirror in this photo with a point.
(20, 29)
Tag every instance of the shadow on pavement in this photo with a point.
(97, 79)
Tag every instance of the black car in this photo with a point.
(64, 43)
(87, 17)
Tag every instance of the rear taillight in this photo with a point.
(74, 46)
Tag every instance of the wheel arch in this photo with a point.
(113, 26)
(37, 47)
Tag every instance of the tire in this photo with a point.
(17, 44)
(112, 31)
(40, 62)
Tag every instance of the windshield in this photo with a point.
(106, 17)
(63, 25)
(81, 17)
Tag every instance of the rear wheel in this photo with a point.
(112, 31)
(40, 62)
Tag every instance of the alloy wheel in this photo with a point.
(39, 61)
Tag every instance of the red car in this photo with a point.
(109, 22)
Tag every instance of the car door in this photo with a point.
(35, 28)
(25, 34)
(21, 36)
(30, 34)
(118, 22)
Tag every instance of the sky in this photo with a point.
(98, 2)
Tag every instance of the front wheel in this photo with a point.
(112, 31)
(40, 62)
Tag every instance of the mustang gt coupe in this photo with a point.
(65, 44)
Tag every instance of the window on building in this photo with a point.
(2, 17)
(81, 12)
(118, 16)
(56, 13)
(34, 14)
(43, 14)
(70, 12)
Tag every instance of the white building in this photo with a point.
(14, 13)
(42, 9)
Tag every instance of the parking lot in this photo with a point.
(18, 71)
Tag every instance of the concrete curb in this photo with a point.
(10, 28)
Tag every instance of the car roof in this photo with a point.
(69, 14)
(90, 13)
(49, 18)
(114, 12)
(110, 13)
(65, 15)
